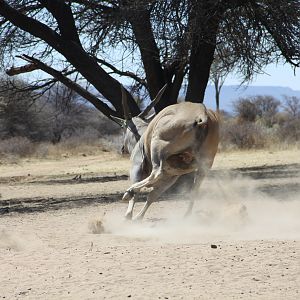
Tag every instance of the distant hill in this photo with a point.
(230, 93)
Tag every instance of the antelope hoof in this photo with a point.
(128, 217)
(128, 195)
(187, 214)
(138, 219)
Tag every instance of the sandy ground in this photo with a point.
(240, 242)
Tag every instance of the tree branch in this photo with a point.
(276, 34)
(19, 70)
(64, 17)
(94, 5)
(67, 82)
(141, 26)
(231, 4)
(30, 25)
(123, 73)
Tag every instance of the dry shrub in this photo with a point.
(292, 106)
(17, 147)
(289, 131)
(245, 109)
(263, 108)
(242, 135)
(258, 123)
(113, 142)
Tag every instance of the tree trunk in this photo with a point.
(218, 87)
(204, 23)
(200, 63)
(143, 32)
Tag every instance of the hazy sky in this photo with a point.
(275, 75)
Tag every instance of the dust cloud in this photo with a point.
(229, 207)
(18, 240)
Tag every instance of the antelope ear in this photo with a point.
(125, 104)
(144, 113)
(121, 122)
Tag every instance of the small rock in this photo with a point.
(213, 246)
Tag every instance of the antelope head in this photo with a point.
(135, 126)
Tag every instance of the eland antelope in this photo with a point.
(181, 140)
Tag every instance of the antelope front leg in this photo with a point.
(129, 212)
(190, 207)
(158, 189)
(130, 194)
(155, 176)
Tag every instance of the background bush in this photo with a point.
(16, 146)
(261, 121)
(30, 122)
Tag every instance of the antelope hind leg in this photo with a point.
(199, 176)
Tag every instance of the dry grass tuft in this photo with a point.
(96, 227)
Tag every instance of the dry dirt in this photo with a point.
(62, 233)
